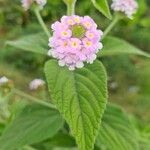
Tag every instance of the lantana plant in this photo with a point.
(76, 78)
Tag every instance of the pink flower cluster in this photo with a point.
(75, 40)
(27, 3)
(128, 7)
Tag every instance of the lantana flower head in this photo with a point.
(129, 7)
(75, 40)
(27, 3)
(36, 83)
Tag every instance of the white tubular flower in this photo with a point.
(3, 80)
(26, 4)
(129, 7)
(36, 83)
(41, 2)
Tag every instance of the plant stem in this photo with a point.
(37, 13)
(71, 7)
(20, 93)
(113, 23)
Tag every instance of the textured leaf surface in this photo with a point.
(60, 140)
(65, 148)
(103, 7)
(33, 124)
(116, 46)
(117, 132)
(80, 96)
(37, 43)
(144, 140)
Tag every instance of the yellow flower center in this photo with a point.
(65, 44)
(91, 35)
(74, 44)
(64, 33)
(70, 22)
(77, 20)
(88, 43)
(88, 24)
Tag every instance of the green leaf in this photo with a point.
(37, 43)
(116, 46)
(60, 140)
(27, 148)
(65, 148)
(81, 97)
(145, 22)
(144, 138)
(117, 132)
(2, 126)
(34, 124)
(103, 7)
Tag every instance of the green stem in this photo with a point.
(71, 7)
(20, 93)
(37, 13)
(113, 23)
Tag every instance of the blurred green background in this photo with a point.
(128, 75)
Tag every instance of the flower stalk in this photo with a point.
(37, 13)
(70, 7)
(110, 27)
